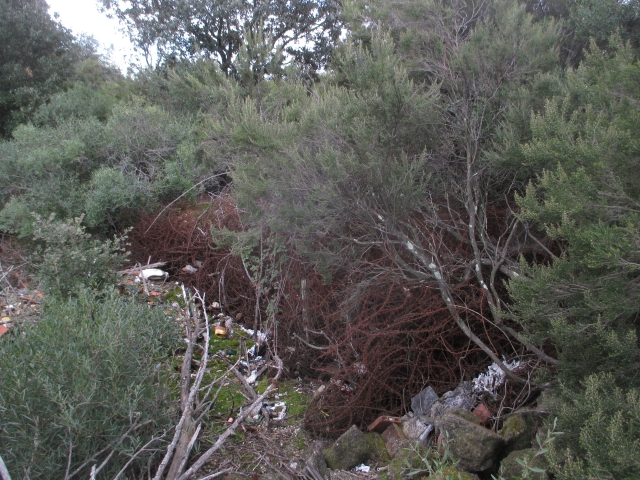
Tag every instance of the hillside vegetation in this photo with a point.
(423, 188)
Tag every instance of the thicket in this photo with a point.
(86, 386)
(483, 152)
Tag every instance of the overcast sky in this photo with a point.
(84, 17)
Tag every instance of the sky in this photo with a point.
(84, 17)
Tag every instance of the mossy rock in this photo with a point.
(517, 430)
(467, 415)
(452, 473)
(377, 448)
(314, 458)
(511, 469)
(350, 450)
(474, 446)
(406, 460)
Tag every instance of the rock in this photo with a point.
(453, 473)
(462, 397)
(466, 415)
(351, 449)
(517, 430)
(314, 459)
(406, 460)
(394, 439)
(475, 446)
(377, 447)
(413, 428)
(422, 402)
(511, 469)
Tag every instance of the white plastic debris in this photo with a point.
(154, 274)
(279, 407)
(261, 337)
(494, 378)
(293, 465)
(253, 377)
(215, 305)
(362, 468)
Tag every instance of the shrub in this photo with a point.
(84, 380)
(603, 424)
(70, 260)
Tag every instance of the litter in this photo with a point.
(261, 337)
(362, 468)
(154, 274)
(495, 377)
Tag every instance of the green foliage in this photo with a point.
(37, 56)
(602, 425)
(305, 29)
(106, 160)
(85, 379)
(586, 301)
(45, 170)
(361, 142)
(71, 261)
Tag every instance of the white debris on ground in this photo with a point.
(154, 274)
(494, 378)
(261, 337)
(362, 468)
(280, 408)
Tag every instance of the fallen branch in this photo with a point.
(4, 473)
(187, 405)
(206, 456)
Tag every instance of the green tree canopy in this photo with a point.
(37, 56)
(184, 29)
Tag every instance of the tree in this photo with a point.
(183, 29)
(586, 300)
(37, 56)
(393, 160)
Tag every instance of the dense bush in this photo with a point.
(70, 261)
(86, 379)
(586, 300)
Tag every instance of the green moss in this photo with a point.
(407, 459)
(517, 431)
(299, 441)
(452, 473)
(378, 448)
(174, 296)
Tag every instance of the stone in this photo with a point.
(351, 449)
(462, 397)
(466, 415)
(452, 473)
(394, 439)
(314, 458)
(422, 402)
(406, 460)
(517, 430)
(511, 470)
(413, 428)
(379, 453)
(476, 447)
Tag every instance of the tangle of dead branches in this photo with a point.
(374, 337)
